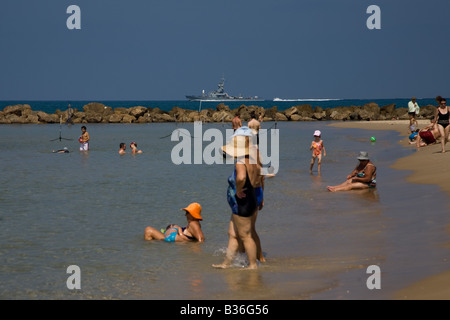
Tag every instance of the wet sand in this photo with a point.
(424, 166)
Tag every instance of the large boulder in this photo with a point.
(279, 116)
(93, 117)
(146, 118)
(137, 111)
(270, 113)
(222, 107)
(116, 117)
(95, 107)
(290, 112)
(18, 109)
(319, 114)
(128, 118)
(427, 112)
(371, 108)
(47, 118)
(162, 117)
(222, 116)
(296, 117)
(121, 110)
(401, 113)
(340, 114)
(388, 110)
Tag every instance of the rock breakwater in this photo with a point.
(99, 113)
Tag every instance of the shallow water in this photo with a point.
(91, 209)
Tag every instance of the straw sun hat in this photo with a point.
(239, 145)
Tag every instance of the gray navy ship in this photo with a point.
(220, 95)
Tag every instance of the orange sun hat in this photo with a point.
(195, 210)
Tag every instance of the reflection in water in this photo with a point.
(370, 194)
(244, 283)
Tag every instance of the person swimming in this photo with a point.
(64, 150)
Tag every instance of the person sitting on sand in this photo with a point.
(412, 137)
(427, 135)
(134, 148)
(122, 148)
(192, 232)
(362, 177)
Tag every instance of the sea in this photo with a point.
(167, 105)
(72, 224)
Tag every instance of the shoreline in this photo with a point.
(434, 287)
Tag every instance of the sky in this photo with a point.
(166, 49)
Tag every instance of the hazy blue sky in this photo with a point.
(165, 49)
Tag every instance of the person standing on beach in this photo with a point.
(84, 139)
(236, 123)
(413, 111)
(248, 179)
(362, 177)
(317, 147)
(442, 117)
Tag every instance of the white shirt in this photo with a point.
(413, 107)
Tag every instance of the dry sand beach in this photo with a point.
(421, 164)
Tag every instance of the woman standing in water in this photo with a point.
(249, 198)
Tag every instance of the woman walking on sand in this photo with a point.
(442, 117)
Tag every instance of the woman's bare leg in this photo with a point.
(153, 234)
(233, 246)
(259, 253)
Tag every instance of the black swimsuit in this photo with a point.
(443, 119)
(189, 237)
(247, 205)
